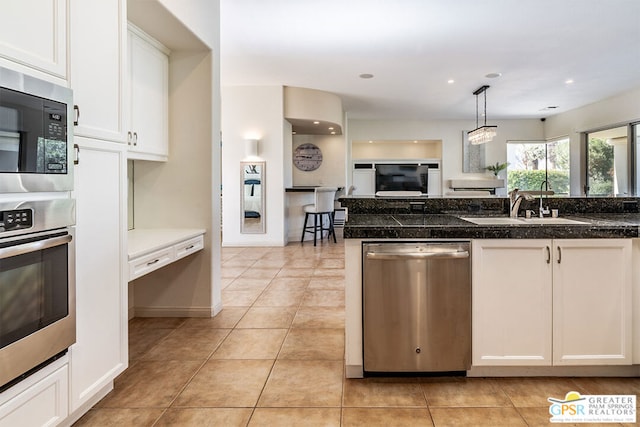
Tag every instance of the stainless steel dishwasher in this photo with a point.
(417, 307)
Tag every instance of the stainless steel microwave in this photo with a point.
(36, 134)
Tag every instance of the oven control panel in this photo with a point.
(16, 219)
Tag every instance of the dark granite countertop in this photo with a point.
(451, 226)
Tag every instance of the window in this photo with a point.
(533, 162)
(607, 163)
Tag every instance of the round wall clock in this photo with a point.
(307, 157)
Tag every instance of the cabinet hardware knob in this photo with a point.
(548, 255)
(76, 161)
(153, 262)
(129, 137)
(77, 111)
(559, 255)
(135, 138)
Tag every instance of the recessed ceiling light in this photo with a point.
(493, 75)
(568, 81)
(333, 133)
(415, 142)
(451, 81)
(366, 76)
(316, 122)
(331, 128)
(370, 142)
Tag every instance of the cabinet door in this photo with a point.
(100, 352)
(592, 302)
(97, 67)
(434, 182)
(512, 294)
(149, 98)
(34, 33)
(38, 400)
(364, 181)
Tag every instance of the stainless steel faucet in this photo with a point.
(515, 199)
(543, 211)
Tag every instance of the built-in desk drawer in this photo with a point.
(147, 263)
(188, 247)
(150, 249)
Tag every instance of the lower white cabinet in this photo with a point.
(592, 303)
(39, 400)
(511, 302)
(101, 350)
(364, 181)
(552, 302)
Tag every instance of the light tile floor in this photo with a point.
(274, 357)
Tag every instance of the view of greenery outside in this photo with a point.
(529, 162)
(600, 168)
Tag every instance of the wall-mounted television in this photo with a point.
(402, 177)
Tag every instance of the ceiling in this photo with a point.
(414, 47)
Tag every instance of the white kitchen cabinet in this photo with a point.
(148, 125)
(101, 348)
(97, 32)
(39, 400)
(364, 181)
(552, 302)
(511, 302)
(592, 303)
(35, 40)
(434, 182)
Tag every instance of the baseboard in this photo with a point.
(353, 371)
(84, 408)
(173, 311)
(554, 371)
(216, 309)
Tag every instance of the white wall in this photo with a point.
(450, 132)
(190, 180)
(253, 112)
(618, 110)
(331, 172)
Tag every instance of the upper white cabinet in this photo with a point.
(34, 34)
(148, 127)
(552, 302)
(97, 67)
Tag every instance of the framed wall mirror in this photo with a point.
(252, 197)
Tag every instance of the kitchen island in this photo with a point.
(548, 299)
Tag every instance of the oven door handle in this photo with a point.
(34, 246)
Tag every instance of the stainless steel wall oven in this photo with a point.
(37, 284)
(37, 255)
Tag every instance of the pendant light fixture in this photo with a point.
(482, 134)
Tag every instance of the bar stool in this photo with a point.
(324, 205)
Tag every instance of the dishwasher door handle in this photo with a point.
(418, 255)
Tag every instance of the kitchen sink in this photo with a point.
(493, 220)
(553, 221)
(502, 220)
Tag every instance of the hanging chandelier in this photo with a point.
(482, 134)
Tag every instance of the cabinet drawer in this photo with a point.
(148, 263)
(37, 402)
(189, 246)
